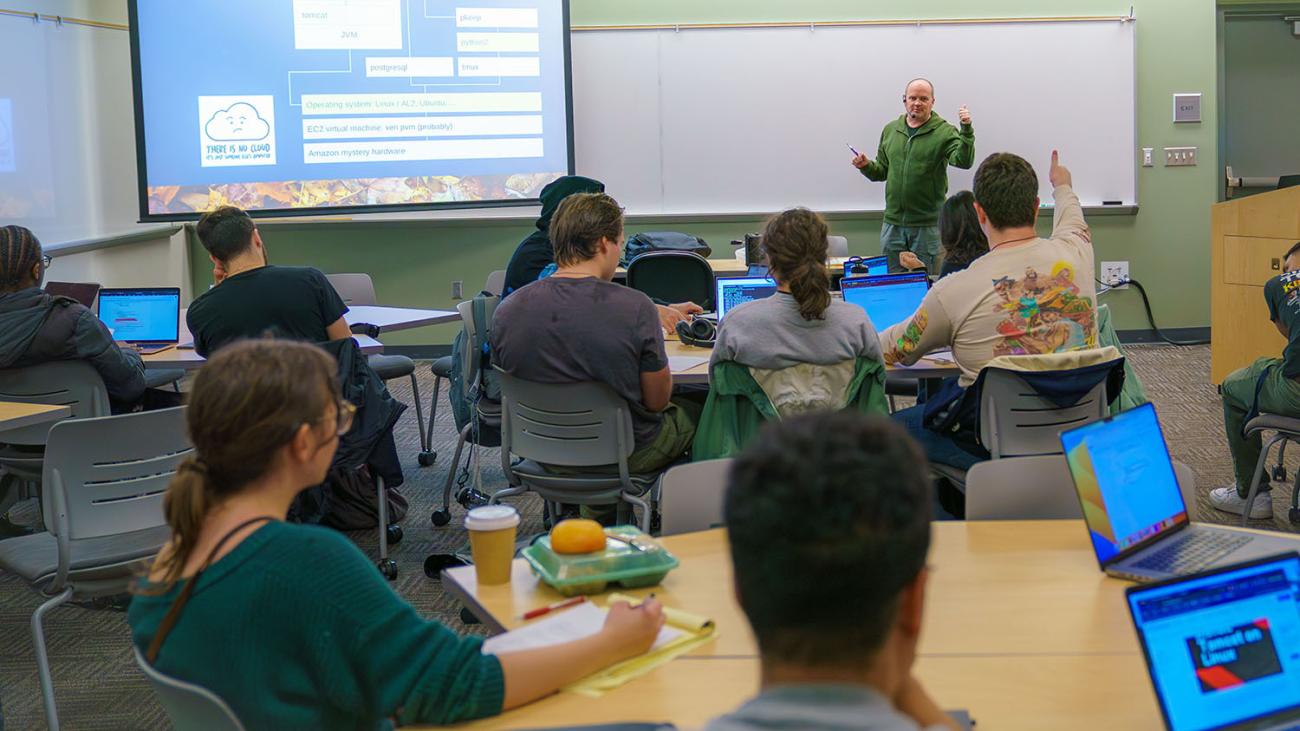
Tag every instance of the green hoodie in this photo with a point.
(915, 168)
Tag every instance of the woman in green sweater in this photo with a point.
(291, 624)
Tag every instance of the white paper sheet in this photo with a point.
(567, 625)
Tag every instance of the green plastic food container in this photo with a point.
(631, 559)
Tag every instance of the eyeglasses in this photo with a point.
(347, 411)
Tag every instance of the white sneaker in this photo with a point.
(1227, 500)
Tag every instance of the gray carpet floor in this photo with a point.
(98, 687)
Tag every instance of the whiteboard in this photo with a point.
(753, 120)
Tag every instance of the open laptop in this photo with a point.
(83, 292)
(148, 318)
(733, 291)
(1136, 516)
(1223, 647)
(888, 299)
(871, 266)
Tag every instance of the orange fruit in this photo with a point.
(577, 535)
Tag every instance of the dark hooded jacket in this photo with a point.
(535, 253)
(37, 328)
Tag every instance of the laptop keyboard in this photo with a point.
(1193, 553)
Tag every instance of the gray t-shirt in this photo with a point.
(771, 334)
(812, 707)
(564, 330)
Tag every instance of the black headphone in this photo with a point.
(699, 332)
(855, 265)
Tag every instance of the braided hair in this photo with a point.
(20, 250)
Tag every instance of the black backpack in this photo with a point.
(648, 241)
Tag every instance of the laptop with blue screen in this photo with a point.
(734, 291)
(888, 299)
(1136, 517)
(147, 317)
(1223, 647)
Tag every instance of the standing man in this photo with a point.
(915, 152)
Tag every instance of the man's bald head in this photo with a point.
(922, 84)
(918, 102)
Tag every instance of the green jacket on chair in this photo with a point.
(737, 406)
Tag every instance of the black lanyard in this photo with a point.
(173, 614)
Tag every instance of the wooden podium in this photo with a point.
(1248, 239)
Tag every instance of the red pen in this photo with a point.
(543, 611)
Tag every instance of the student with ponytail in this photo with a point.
(290, 624)
(37, 328)
(801, 323)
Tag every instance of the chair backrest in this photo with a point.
(1015, 421)
(691, 496)
(837, 246)
(471, 354)
(190, 707)
(73, 383)
(1038, 488)
(1287, 181)
(1022, 488)
(565, 424)
(107, 475)
(496, 283)
(355, 289)
(673, 276)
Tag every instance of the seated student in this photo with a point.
(960, 234)
(799, 326)
(251, 297)
(534, 259)
(37, 328)
(828, 517)
(1026, 296)
(577, 326)
(332, 647)
(1270, 385)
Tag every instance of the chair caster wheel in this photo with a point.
(388, 568)
(1293, 515)
(394, 534)
(468, 617)
(440, 518)
(426, 458)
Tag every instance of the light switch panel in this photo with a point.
(1180, 156)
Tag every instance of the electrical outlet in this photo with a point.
(458, 290)
(1146, 157)
(1180, 156)
(1115, 274)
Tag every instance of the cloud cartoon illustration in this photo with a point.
(238, 122)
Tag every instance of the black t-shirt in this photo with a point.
(533, 255)
(1283, 295)
(297, 303)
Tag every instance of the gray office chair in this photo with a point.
(1287, 430)
(571, 426)
(358, 289)
(691, 496)
(104, 480)
(1015, 421)
(190, 707)
(837, 246)
(1038, 488)
(486, 415)
(673, 276)
(443, 367)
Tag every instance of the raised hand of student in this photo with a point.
(963, 114)
(630, 631)
(860, 161)
(1059, 174)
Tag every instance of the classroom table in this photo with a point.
(392, 319)
(1021, 626)
(688, 369)
(14, 415)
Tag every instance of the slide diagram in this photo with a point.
(355, 102)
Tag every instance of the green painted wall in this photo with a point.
(1167, 243)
